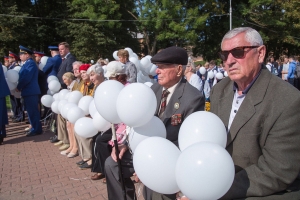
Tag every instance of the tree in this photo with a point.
(102, 29)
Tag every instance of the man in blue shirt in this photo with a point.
(291, 71)
(52, 66)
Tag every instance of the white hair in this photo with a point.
(251, 35)
(96, 69)
(192, 65)
(77, 63)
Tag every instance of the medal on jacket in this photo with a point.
(176, 106)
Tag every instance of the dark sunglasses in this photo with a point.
(238, 52)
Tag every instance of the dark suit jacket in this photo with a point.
(66, 66)
(28, 79)
(189, 99)
(264, 138)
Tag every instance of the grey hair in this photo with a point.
(251, 35)
(77, 63)
(95, 68)
(192, 65)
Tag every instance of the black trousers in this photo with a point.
(114, 187)
(101, 151)
(17, 107)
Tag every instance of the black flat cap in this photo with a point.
(171, 55)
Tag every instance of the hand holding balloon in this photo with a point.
(122, 149)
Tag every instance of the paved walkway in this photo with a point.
(33, 168)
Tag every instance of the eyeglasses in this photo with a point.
(238, 52)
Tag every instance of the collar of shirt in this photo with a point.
(171, 90)
(235, 86)
(66, 56)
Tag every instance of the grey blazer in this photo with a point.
(264, 138)
(189, 100)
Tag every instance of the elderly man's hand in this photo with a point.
(17, 90)
(136, 178)
(122, 149)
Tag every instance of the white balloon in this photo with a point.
(12, 76)
(155, 127)
(63, 93)
(104, 68)
(100, 123)
(54, 86)
(154, 161)
(145, 65)
(202, 126)
(67, 95)
(4, 69)
(56, 97)
(50, 78)
(202, 70)
(17, 68)
(54, 107)
(92, 108)
(153, 70)
(11, 85)
(136, 104)
(84, 127)
(211, 74)
(149, 84)
(49, 92)
(204, 171)
(61, 105)
(75, 97)
(66, 108)
(225, 74)
(115, 55)
(136, 62)
(149, 57)
(43, 62)
(129, 51)
(135, 55)
(106, 99)
(47, 100)
(84, 104)
(141, 78)
(74, 114)
(219, 76)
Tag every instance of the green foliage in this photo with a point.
(96, 28)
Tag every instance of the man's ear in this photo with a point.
(261, 53)
(179, 70)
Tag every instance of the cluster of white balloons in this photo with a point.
(12, 78)
(212, 74)
(200, 169)
(144, 66)
(133, 105)
(53, 85)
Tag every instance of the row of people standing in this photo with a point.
(287, 68)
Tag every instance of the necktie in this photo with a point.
(163, 102)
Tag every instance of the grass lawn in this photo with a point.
(8, 103)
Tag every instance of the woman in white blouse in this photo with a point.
(192, 77)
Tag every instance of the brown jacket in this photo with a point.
(264, 138)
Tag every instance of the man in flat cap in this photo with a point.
(29, 88)
(52, 65)
(176, 99)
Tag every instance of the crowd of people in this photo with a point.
(256, 102)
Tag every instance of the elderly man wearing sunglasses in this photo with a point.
(263, 138)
